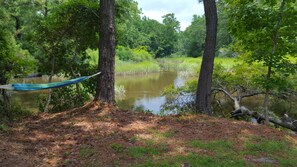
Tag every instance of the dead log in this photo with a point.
(285, 122)
(240, 111)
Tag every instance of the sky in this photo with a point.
(182, 9)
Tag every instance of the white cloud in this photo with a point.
(183, 9)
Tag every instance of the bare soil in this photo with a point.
(58, 139)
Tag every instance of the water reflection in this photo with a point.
(144, 92)
(28, 99)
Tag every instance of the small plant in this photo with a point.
(85, 152)
(4, 128)
(117, 147)
(120, 92)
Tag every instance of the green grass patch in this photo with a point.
(85, 152)
(260, 146)
(219, 146)
(4, 128)
(194, 160)
(138, 152)
(282, 151)
(117, 147)
(162, 135)
(191, 66)
(136, 68)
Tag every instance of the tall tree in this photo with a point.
(203, 95)
(191, 41)
(265, 34)
(105, 84)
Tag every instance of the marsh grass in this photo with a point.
(123, 68)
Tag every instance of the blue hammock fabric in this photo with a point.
(31, 87)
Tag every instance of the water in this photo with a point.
(143, 92)
(28, 100)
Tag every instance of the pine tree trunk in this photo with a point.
(105, 84)
(203, 96)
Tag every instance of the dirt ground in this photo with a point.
(57, 139)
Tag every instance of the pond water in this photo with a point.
(142, 92)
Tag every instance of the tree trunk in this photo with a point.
(105, 84)
(49, 96)
(269, 71)
(203, 95)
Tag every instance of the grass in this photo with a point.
(218, 146)
(191, 66)
(86, 152)
(281, 151)
(138, 152)
(216, 153)
(4, 128)
(117, 147)
(136, 68)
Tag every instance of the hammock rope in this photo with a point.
(31, 87)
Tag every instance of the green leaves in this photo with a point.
(254, 25)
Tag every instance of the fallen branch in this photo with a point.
(240, 111)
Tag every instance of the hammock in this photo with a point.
(31, 87)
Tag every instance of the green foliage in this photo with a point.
(240, 74)
(64, 35)
(86, 152)
(254, 24)
(12, 111)
(192, 39)
(117, 147)
(4, 128)
(65, 98)
(136, 55)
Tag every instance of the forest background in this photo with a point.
(60, 38)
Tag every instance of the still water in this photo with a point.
(144, 92)
(141, 91)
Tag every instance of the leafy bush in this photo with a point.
(138, 54)
(64, 98)
(12, 111)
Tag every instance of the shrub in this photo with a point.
(64, 98)
(138, 54)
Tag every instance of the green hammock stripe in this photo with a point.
(28, 87)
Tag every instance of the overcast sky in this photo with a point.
(183, 9)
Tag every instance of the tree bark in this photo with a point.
(50, 91)
(203, 95)
(105, 84)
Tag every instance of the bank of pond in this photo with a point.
(140, 86)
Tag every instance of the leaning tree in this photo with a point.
(203, 95)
